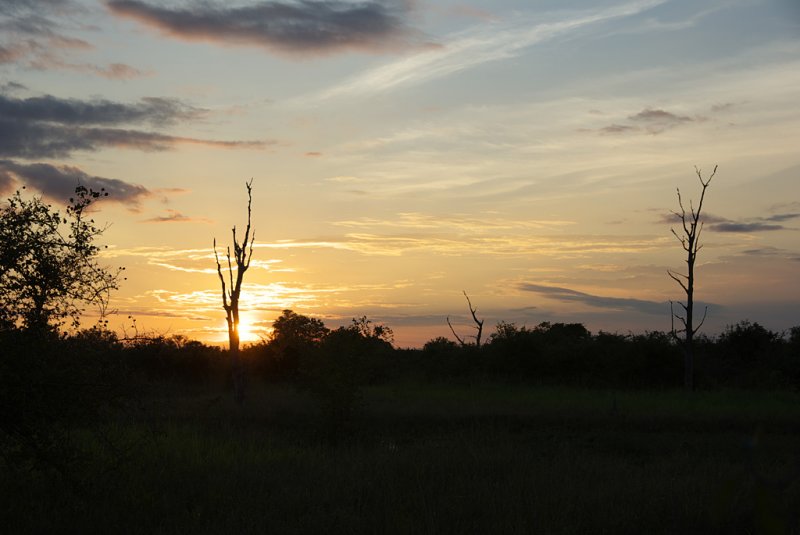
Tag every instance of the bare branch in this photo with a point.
(702, 321)
(679, 281)
(690, 242)
(460, 340)
(478, 323)
(230, 270)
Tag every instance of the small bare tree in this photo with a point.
(242, 254)
(478, 325)
(689, 237)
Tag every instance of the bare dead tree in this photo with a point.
(478, 325)
(242, 254)
(689, 238)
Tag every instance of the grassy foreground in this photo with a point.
(481, 458)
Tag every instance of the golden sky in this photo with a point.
(404, 151)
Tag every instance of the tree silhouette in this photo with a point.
(49, 266)
(478, 324)
(242, 254)
(689, 238)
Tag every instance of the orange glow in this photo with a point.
(248, 331)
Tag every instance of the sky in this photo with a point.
(403, 152)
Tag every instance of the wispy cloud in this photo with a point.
(185, 260)
(173, 216)
(614, 303)
(302, 27)
(478, 45)
(456, 244)
(463, 223)
(35, 35)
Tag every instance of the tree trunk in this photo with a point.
(688, 366)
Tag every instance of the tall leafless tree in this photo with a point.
(478, 325)
(689, 238)
(242, 254)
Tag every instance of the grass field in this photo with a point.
(422, 458)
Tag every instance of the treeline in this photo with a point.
(303, 350)
(744, 355)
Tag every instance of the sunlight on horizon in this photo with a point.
(249, 331)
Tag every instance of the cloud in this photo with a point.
(173, 216)
(524, 243)
(615, 303)
(153, 110)
(58, 182)
(649, 115)
(618, 128)
(782, 217)
(35, 36)
(112, 71)
(475, 46)
(733, 226)
(302, 27)
(473, 225)
(722, 224)
(50, 127)
(650, 121)
(764, 251)
(7, 182)
(45, 140)
(673, 218)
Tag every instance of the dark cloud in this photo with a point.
(764, 251)
(782, 217)
(44, 140)
(733, 226)
(156, 111)
(613, 303)
(304, 26)
(618, 128)
(721, 224)
(11, 87)
(50, 127)
(649, 121)
(675, 219)
(58, 182)
(650, 115)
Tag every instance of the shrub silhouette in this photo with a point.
(335, 370)
(52, 386)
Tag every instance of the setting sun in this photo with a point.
(248, 332)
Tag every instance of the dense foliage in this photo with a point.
(49, 268)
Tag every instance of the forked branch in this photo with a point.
(478, 324)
